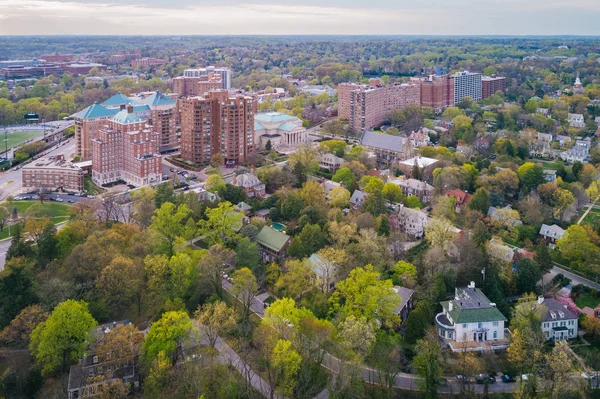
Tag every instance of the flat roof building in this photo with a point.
(467, 84)
(52, 174)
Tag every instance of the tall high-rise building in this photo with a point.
(491, 84)
(437, 92)
(187, 86)
(126, 149)
(88, 123)
(225, 74)
(217, 123)
(366, 107)
(467, 84)
(163, 119)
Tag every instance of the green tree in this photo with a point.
(214, 319)
(418, 321)
(244, 287)
(166, 336)
(531, 175)
(480, 201)
(18, 248)
(47, 245)
(392, 192)
(221, 223)
(576, 247)
(61, 339)
(528, 274)
(543, 258)
(404, 272)
(309, 241)
(164, 193)
(428, 365)
(363, 294)
(563, 200)
(170, 223)
(17, 286)
(214, 183)
(121, 284)
(295, 281)
(246, 253)
(304, 161)
(374, 203)
(144, 205)
(356, 334)
(339, 197)
(288, 362)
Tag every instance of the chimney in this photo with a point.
(122, 107)
(540, 300)
(472, 284)
(450, 306)
(130, 109)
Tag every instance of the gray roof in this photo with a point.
(405, 295)
(554, 231)
(558, 309)
(382, 141)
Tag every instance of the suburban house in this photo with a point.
(425, 165)
(551, 234)
(579, 152)
(411, 222)
(471, 322)
(419, 139)
(407, 301)
(328, 186)
(576, 120)
(498, 250)
(357, 199)
(482, 144)
(558, 322)
(388, 149)
(326, 272)
(420, 189)
(272, 244)
(462, 197)
(204, 195)
(88, 378)
(251, 185)
(330, 161)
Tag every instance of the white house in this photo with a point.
(326, 272)
(471, 322)
(576, 120)
(558, 322)
(330, 161)
(357, 198)
(551, 234)
(412, 222)
(419, 139)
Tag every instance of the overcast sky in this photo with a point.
(211, 17)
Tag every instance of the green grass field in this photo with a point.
(16, 138)
(56, 211)
(588, 300)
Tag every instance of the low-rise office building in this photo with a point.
(52, 174)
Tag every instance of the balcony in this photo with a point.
(442, 321)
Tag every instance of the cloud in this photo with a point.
(272, 17)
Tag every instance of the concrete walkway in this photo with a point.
(590, 206)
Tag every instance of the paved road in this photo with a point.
(575, 279)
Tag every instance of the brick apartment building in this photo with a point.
(147, 62)
(126, 149)
(163, 119)
(491, 84)
(366, 106)
(56, 57)
(197, 86)
(437, 92)
(88, 123)
(83, 68)
(52, 174)
(217, 123)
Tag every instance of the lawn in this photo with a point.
(48, 208)
(16, 138)
(90, 187)
(588, 300)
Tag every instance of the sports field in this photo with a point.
(18, 137)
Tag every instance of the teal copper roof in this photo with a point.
(258, 126)
(116, 100)
(273, 117)
(158, 98)
(125, 117)
(287, 126)
(95, 111)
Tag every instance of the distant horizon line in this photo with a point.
(318, 35)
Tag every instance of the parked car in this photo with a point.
(60, 200)
(71, 201)
(483, 378)
(507, 378)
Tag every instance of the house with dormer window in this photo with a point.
(551, 234)
(558, 322)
